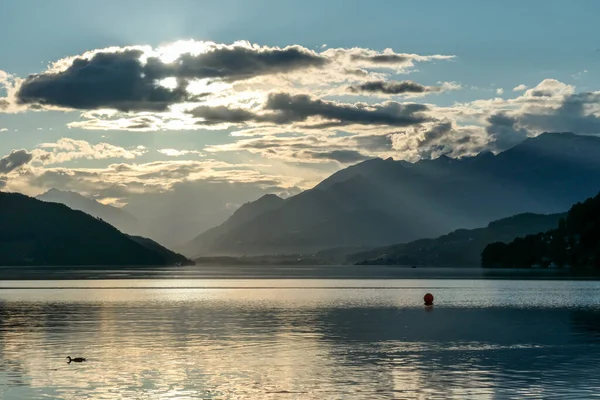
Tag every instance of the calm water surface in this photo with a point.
(299, 339)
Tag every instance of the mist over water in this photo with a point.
(292, 338)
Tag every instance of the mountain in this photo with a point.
(461, 248)
(118, 218)
(171, 257)
(245, 213)
(574, 242)
(34, 232)
(382, 202)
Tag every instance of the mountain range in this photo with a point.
(460, 248)
(381, 202)
(35, 232)
(117, 217)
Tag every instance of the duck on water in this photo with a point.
(76, 359)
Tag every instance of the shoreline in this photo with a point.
(282, 272)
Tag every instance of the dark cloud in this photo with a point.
(381, 58)
(234, 63)
(107, 80)
(297, 108)
(436, 132)
(141, 123)
(463, 139)
(438, 140)
(393, 87)
(341, 156)
(504, 131)
(267, 143)
(223, 114)
(571, 116)
(3, 182)
(119, 80)
(541, 93)
(4, 104)
(283, 109)
(14, 160)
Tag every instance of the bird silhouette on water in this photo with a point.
(76, 359)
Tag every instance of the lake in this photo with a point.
(298, 338)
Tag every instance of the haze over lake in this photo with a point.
(299, 338)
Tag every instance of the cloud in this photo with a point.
(141, 78)
(14, 160)
(374, 143)
(67, 149)
(8, 87)
(3, 182)
(551, 106)
(142, 122)
(520, 88)
(578, 75)
(115, 80)
(223, 114)
(504, 131)
(178, 153)
(318, 149)
(241, 60)
(394, 88)
(122, 180)
(576, 113)
(499, 91)
(293, 127)
(287, 109)
(295, 108)
(550, 88)
(308, 149)
(341, 156)
(362, 57)
(437, 139)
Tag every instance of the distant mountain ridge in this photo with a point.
(460, 248)
(118, 218)
(382, 202)
(34, 232)
(247, 212)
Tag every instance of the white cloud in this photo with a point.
(499, 91)
(67, 149)
(122, 180)
(205, 72)
(179, 153)
(520, 88)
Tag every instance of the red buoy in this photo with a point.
(428, 298)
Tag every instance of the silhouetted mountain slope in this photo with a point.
(204, 242)
(118, 218)
(575, 241)
(379, 202)
(34, 232)
(171, 257)
(342, 215)
(461, 248)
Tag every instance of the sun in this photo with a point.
(171, 52)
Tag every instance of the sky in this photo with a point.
(121, 100)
